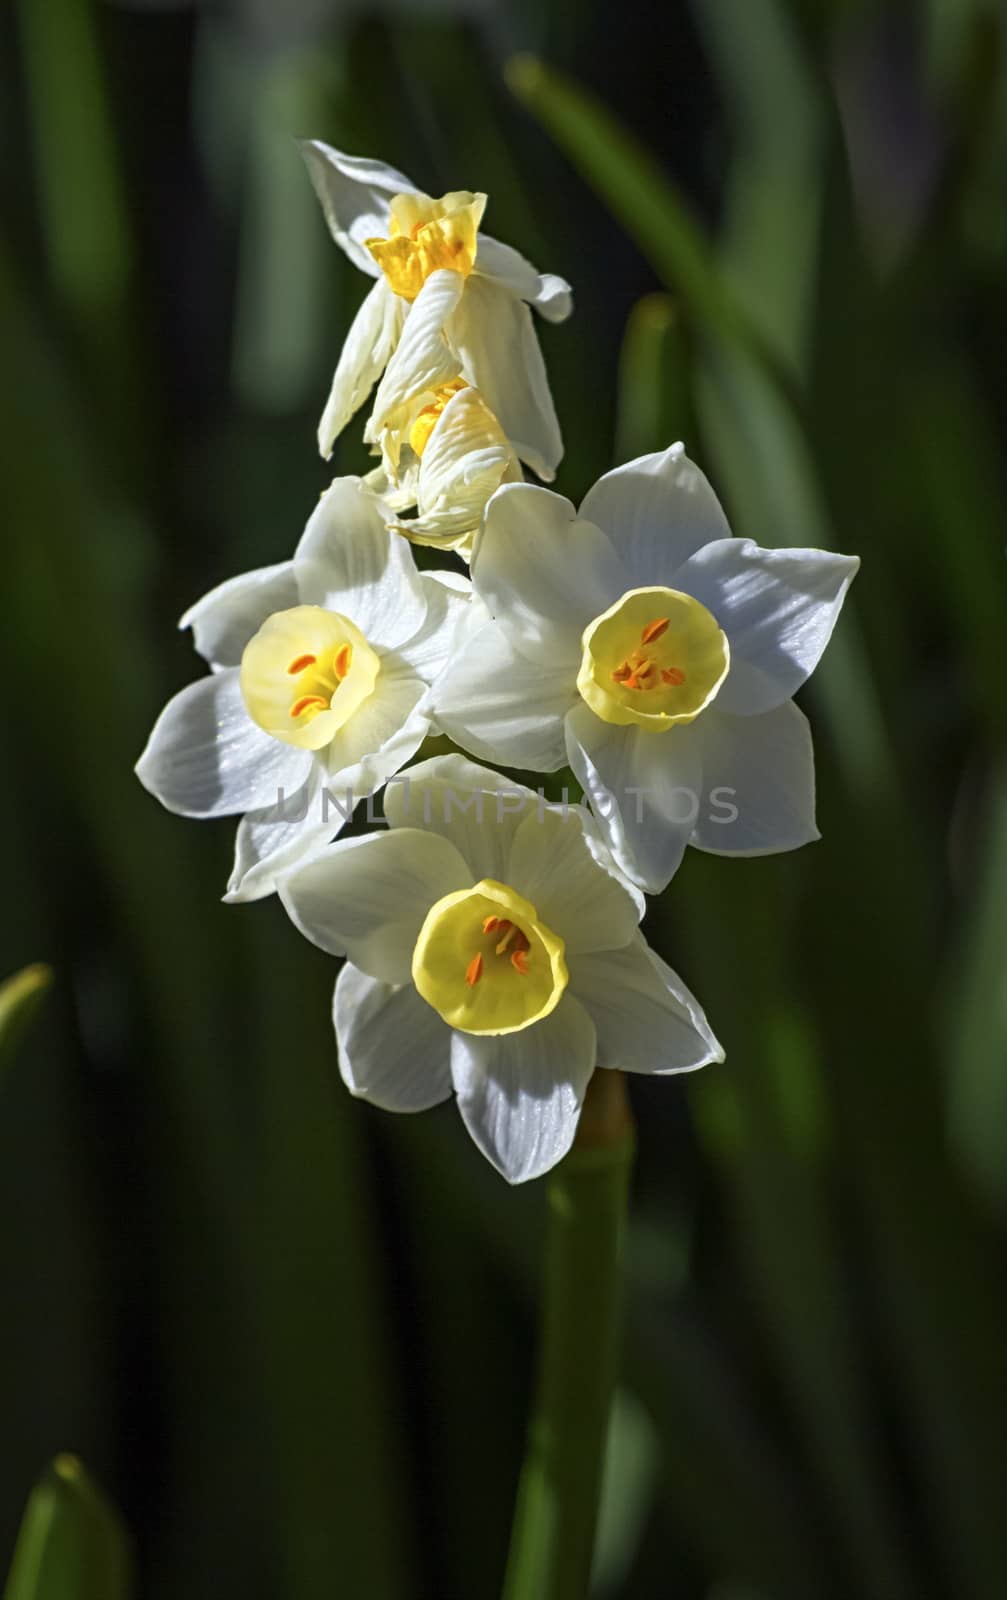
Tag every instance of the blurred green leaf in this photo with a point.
(772, 102)
(72, 1544)
(79, 183)
(20, 998)
(976, 1021)
(632, 1453)
(639, 194)
(286, 262)
(653, 405)
(767, 1126)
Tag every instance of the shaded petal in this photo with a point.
(520, 1095)
(398, 496)
(503, 707)
(449, 597)
(558, 864)
(354, 194)
(551, 296)
(657, 510)
(644, 787)
(644, 1016)
(394, 1050)
(367, 897)
(778, 609)
(495, 338)
(207, 758)
(348, 561)
(759, 782)
(543, 572)
(423, 358)
(477, 809)
(225, 619)
(374, 333)
(380, 737)
(276, 838)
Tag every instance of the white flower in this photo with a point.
(448, 459)
(448, 302)
(492, 950)
(319, 689)
(638, 641)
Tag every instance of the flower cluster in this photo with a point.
(491, 940)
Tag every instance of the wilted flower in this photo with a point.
(493, 950)
(448, 460)
(449, 302)
(638, 641)
(319, 689)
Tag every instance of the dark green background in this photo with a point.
(292, 1336)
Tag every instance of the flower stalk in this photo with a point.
(552, 1540)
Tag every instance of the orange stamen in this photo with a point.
(519, 961)
(622, 673)
(342, 660)
(490, 924)
(632, 682)
(654, 630)
(673, 675)
(474, 970)
(299, 665)
(306, 700)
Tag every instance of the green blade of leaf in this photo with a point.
(652, 402)
(20, 997)
(641, 197)
(772, 216)
(72, 1543)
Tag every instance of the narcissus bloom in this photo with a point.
(448, 302)
(638, 641)
(319, 689)
(493, 951)
(448, 459)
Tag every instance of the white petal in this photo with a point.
(543, 572)
(397, 496)
(495, 337)
(557, 863)
(520, 1095)
(477, 809)
(645, 788)
(380, 737)
(348, 561)
(646, 1019)
(503, 707)
(207, 758)
(449, 596)
(423, 358)
(551, 296)
(355, 194)
(225, 619)
(758, 782)
(778, 609)
(394, 1050)
(656, 510)
(277, 838)
(374, 333)
(366, 897)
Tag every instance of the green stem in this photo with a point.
(552, 1540)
